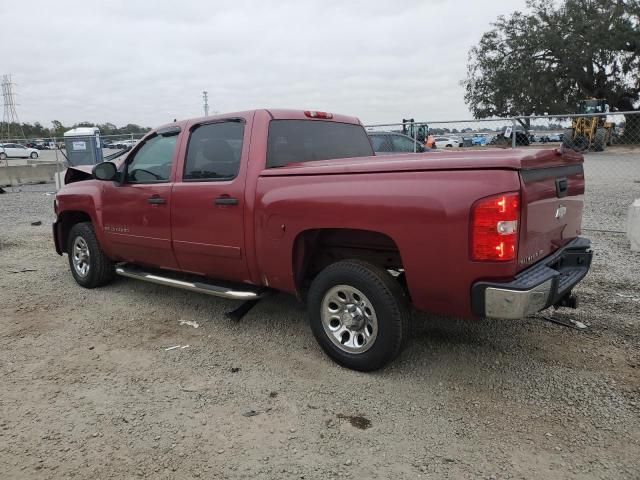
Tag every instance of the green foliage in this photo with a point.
(546, 60)
(37, 130)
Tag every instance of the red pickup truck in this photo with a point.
(241, 204)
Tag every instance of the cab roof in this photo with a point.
(276, 114)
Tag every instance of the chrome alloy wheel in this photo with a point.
(349, 319)
(81, 256)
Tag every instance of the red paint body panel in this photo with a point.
(543, 233)
(208, 239)
(421, 201)
(136, 231)
(426, 214)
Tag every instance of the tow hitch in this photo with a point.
(568, 301)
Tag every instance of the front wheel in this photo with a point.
(89, 265)
(34, 155)
(358, 314)
(3, 156)
(600, 140)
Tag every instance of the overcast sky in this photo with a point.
(148, 62)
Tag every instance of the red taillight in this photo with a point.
(494, 235)
(314, 114)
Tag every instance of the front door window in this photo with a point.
(152, 163)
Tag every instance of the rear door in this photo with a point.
(552, 205)
(136, 214)
(208, 203)
(403, 144)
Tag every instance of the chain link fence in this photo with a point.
(609, 141)
(44, 160)
(16, 150)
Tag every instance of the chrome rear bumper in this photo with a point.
(546, 283)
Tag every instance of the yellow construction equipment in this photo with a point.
(590, 132)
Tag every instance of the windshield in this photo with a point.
(293, 141)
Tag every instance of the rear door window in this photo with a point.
(293, 141)
(214, 151)
(381, 143)
(402, 144)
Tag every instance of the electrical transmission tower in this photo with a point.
(10, 121)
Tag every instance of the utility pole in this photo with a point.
(205, 97)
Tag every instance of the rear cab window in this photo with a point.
(294, 141)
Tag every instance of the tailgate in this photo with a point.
(552, 204)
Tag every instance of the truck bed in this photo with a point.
(494, 158)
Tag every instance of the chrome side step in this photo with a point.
(192, 283)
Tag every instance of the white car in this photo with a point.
(447, 142)
(124, 144)
(15, 150)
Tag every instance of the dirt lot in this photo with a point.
(90, 391)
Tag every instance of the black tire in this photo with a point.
(581, 143)
(389, 303)
(3, 156)
(100, 268)
(599, 140)
(33, 155)
(567, 139)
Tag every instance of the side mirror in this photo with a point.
(105, 171)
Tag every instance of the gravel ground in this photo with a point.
(613, 182)
(90, 391)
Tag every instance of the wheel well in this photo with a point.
(66, 220)
(314, 250)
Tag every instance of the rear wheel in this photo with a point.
(358, 314)
(89, 265)
(3, 156)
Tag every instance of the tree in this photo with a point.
(58, 129)
(546, 60)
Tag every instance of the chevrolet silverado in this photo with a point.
(242, 204)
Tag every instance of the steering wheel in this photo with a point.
(154, 175)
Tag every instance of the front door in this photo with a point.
(14, 150)
(136, 215)
(207, 206)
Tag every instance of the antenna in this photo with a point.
(205, 97)
(10, 118)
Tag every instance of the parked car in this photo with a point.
(553, 137)
(124, 144)
(15, 150)
(479, 140)
(522, 138)
(309, 210)
(386, 143)
(447, 142)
